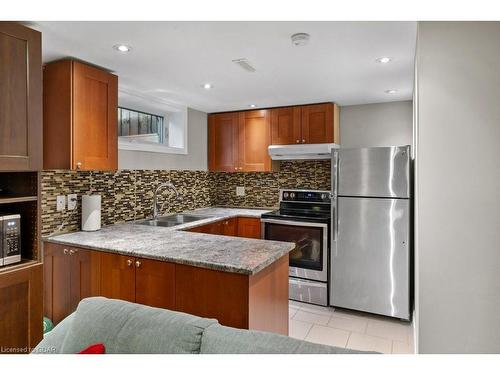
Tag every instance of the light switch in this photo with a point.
(61, 203)
(240, 191)
(72, 199)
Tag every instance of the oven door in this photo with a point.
(309, 259)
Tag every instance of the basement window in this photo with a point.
(140, 126)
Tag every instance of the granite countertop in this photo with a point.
(173, 244)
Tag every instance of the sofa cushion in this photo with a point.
(219, 339)
(125, 327)
(52, 341)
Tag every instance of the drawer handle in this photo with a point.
(129, 262)
(137, 263)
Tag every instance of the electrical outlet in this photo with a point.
(61, 203)
(240, 191)
(72, 199)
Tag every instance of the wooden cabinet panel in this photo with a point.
(254, 132)
(229, 227)
(155, 283)
(20, 98)
(223, 142)
(285, 126)
(95, 118)
(318, 123)
(249, 227)
(85, 270)
(70, 275)
(21, 306)
(117, 276)
(212, 294)
(56, 280)
(80, 117)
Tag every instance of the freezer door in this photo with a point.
(370, 262)
(374, 172)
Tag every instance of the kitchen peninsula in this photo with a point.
(241, 282)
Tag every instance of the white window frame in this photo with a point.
(151, 104)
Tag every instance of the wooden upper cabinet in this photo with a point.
(80, 117)
(223, 142)
(20, 98)
(318, 123)
(254, 132)
(315, 123)
(285, 126)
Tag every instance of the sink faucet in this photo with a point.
(155, 197)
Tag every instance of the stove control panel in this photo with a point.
(306, 196)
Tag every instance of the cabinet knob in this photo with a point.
(303, 141)
(241, 168)
(235, 168)
(129, 262)
(65, 252)
(137, 263)
(78, 165)
(298, 141)
(71, 252)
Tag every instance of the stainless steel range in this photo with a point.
(304, 217)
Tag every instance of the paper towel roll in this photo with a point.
(91, 212)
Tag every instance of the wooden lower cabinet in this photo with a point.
(249, 227)
(70, 274)
(237, 300)
(117, 276)
(21, 306)
(257, 302)
(154, 283)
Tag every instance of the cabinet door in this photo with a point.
(155, 283)
(285, 126)
(317, 123)
(249, 227)
(20, 98)
(21, 306)
(56, 280)
(84, 275)
(95, 118)
(117, 276)
(223, 142)
(254, 133)
(229, 227)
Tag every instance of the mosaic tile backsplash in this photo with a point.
(128, 194)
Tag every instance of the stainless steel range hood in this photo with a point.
(315, 151)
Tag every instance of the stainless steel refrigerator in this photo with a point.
(370, 259)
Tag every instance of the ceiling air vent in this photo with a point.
(244, 64)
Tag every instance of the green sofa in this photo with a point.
(125, 327)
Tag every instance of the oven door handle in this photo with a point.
(294, 223)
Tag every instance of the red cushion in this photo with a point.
(94, 349)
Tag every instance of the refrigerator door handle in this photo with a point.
(334, 200)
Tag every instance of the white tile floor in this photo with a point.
(348, 329)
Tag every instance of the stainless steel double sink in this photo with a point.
(172, 220)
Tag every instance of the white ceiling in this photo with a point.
(171, 60)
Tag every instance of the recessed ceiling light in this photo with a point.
(207, 86)
(122, 48)
(383, 60)
(392, 91)
(252, 105)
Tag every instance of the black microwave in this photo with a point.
(10, 239)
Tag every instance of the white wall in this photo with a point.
(458, 187)
(196, 158)
(381, 124)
